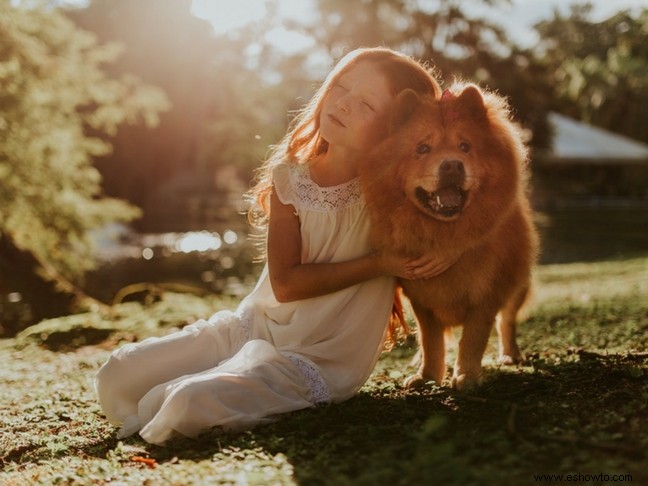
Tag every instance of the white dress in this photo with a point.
(242, 368)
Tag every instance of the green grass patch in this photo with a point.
(579, 405)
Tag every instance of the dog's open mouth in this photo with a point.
(447, 201)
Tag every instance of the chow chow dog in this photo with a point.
(450, 179)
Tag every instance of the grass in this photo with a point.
(579, 406)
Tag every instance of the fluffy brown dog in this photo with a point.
(451, 179)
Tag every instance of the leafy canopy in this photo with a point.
(55, 104)
(599, 69)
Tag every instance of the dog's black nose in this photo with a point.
(452, 168)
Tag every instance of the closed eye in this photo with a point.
(367, 105)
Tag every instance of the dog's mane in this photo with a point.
(474, 226)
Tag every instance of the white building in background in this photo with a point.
(587, 166)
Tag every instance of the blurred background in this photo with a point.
(130, 129)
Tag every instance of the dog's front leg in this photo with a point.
(431, 347)
(474, 338)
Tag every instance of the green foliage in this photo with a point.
(448, 35)
(445, 32)
(594, 71)
(54, 102)
(600, 70)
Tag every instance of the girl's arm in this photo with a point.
(293, 280)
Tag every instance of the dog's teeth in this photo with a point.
(438, 201)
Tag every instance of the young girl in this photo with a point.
(313, 327)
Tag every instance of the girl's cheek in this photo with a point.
(380, 128)
(376, 132)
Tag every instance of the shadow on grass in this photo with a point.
(580, 406)
(582, 412)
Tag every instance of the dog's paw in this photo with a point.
(466, 381)
(419, 381)
(414, 381)
(511, 359)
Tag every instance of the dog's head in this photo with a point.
(447, 154)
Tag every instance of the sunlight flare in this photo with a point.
(226, 16)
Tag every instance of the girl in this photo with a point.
(312, 329)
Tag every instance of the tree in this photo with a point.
(55, 100)
(599, 69)
(224, 111)
(452, 38)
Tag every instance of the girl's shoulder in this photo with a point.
(289, 170)
(286, 179)
(294, 185)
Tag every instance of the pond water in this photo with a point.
(203, 261)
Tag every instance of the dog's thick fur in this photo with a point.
(450, 179)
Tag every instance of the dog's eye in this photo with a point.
(423, 148)
(464, 147)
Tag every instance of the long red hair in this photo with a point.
(303, 142)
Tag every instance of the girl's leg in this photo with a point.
(247, 390)
(134, 369)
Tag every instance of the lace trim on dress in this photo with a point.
(330, 198)
(245, 314)
(319, 390)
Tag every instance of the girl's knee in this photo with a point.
(189, 392)
(103, 389)
(108, 385)
(106, 373)
(114, 371)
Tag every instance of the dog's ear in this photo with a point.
(471, 102)
(404, 106)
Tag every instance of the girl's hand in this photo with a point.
(428, 266)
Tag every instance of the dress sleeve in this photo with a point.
(284, 183)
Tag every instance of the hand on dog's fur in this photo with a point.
(423, 267)
(392, 264)
(429, 266)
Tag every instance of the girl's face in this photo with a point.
(354, 110)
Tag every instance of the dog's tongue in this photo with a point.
(449, 197)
